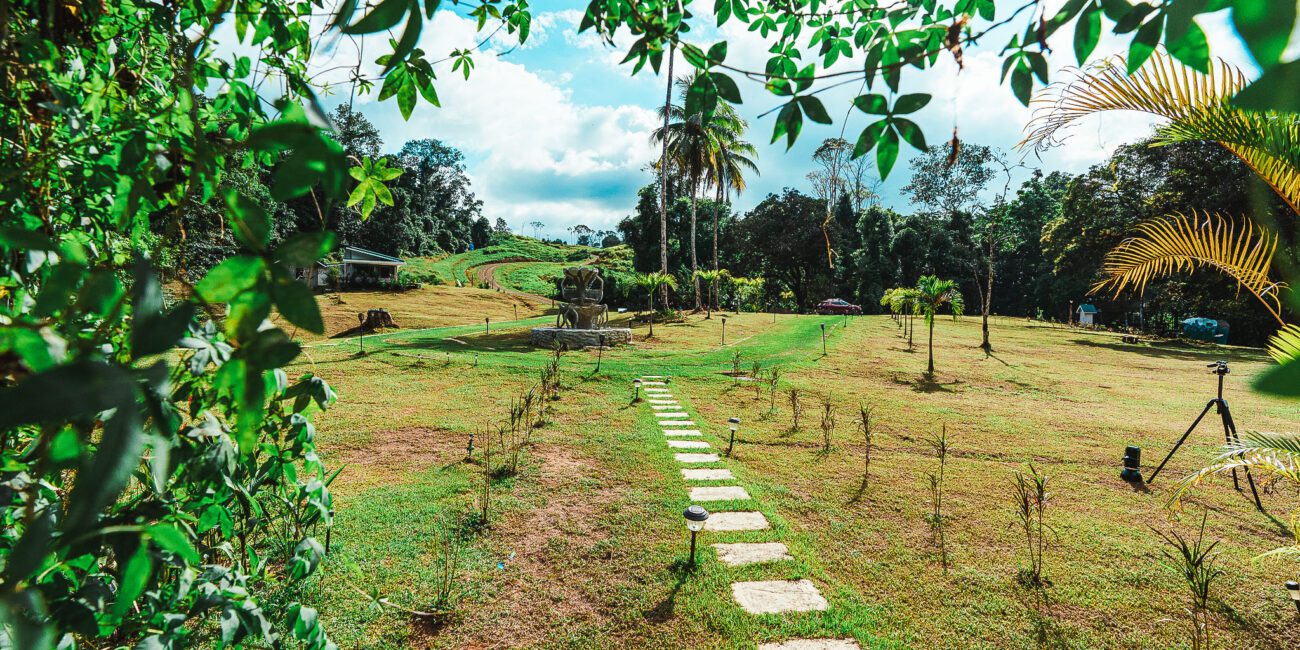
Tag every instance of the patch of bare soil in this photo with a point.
(551, 556)
(390, 454)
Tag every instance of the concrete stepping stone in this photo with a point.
(672, 415)
(707, 474)
(653, 377)
(658, 392)
(687, 433)
(665, 407)
(778, 596)
(742, 554)
(698, 458)
(813, 644)
(654, 383)
(677, 423)
(688, 444)
(662, 401)
(719, 492)
(721, 522)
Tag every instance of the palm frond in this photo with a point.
(1179, 242)
(1284, 346)
(1264, 453)
(1196, 106)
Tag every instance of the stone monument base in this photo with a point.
(547, 337)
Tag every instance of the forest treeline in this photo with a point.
(1047, 236)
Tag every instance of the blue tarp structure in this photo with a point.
(1206, 329)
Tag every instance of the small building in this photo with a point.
(1088, 315)
(359, 267)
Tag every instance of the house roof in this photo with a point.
(1088, 308)
(354, 254)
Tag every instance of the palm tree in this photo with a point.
(653, 282)
(710, 278)
(905, 303)
(731, 158)
(931, 295)
(692, 143)
(663, 173)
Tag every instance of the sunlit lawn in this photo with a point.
(586, 544)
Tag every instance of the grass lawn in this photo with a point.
(454, 269)
(586, 544)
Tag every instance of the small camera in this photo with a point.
(1219, 367)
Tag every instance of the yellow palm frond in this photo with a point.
(1177, 243)
(1194, 104)
(1264, 454)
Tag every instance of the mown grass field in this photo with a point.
(456, 269)
(586, 545)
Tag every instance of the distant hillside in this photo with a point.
(456, 269)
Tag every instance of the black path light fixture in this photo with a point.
(733, 423)
(724, 330)
(1293, 588)
(600, 352)
(487, 324)
(695, 517)
(823, 339)
(636, 385)
(1132, 464)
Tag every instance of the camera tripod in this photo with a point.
(1219, 368)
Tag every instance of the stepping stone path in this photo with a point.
(696, 458)
(682, 432)
(778, 596)
(719, 493)
(742, 554)
(707, 474)
(755, 597)
(688, 444)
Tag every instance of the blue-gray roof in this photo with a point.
(357, 254)
(1088, 308)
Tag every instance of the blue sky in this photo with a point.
(557, 131)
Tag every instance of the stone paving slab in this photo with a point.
(677, 423)
(707, 474)
(687, 433)
(673, 415)
(688, 444)
(778, 596)
(812, 644)
(697, 458)
(662, 401)
(742, 554)
(719, 492)
(654, 383)
(665, 407)
(729, 521)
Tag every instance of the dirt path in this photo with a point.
(486, 274)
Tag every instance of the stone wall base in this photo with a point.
(548, 337)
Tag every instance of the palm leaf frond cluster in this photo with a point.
(1181, 242)
(1196, 106)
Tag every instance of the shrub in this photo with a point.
(1194, 561)
(1031, 498)
(828, 422)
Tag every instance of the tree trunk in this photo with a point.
(652, 315)
(930, 370)
(695, 265)
(986, 300)
(663, 179)
(716, 203)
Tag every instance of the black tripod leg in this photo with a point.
(1182, 439)
(1230, 432)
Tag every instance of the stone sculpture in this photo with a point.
(582, 288)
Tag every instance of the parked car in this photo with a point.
(837, 306)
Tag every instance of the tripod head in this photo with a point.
(1219, 368)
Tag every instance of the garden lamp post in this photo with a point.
(695, 517)
(724, 330)
(732, 423)
(823, 339)
(487, 324)
(636, 384)
(1292, 588)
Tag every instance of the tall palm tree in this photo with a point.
(663, 172)
(692, 143)
(904, 303)
(731, 159)
(655, 282)
(931, 295)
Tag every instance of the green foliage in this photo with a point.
(162, 487)
(805, 39)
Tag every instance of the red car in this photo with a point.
(837, 306)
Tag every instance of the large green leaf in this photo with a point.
(1265, 26)
(1274, 90)
(296, 302)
